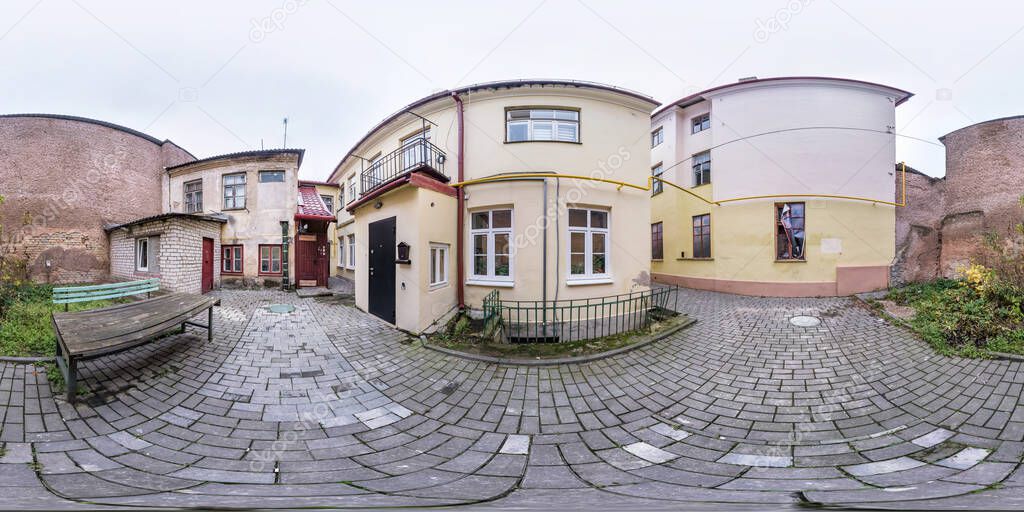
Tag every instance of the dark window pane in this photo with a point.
(501, 218)
(481, 220)
(501, 266)
(578, 218)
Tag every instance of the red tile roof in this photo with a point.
(311, 205)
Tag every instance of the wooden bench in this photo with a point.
(84, 335)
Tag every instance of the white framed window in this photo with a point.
(142, 254)
(491, 235)
(352, 251)
(657, 137)
(589, 244)
(342, 253)
(657, 186)
(350, 188)
(438, 264)
(193, 196)
(702, 168)
(234, 191)
(560, 125)
(271, 176)
(328, 202)
(701, 123)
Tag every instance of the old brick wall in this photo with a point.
(63, 179)
(944, 222)
(917, 228)
(180, 253)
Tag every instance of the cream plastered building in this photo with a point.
(418, 251)
(256, 191)
(785, 187)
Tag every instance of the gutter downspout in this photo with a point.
(461, 200)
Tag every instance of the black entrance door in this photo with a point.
(382, 269)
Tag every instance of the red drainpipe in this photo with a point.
(461, 198)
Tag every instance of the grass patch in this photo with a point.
(458, 337)
(25, 326)
(959, 317)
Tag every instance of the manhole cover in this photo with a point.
(281, 308)
(805, 321)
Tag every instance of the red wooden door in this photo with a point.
(207, 264)
(306, 257)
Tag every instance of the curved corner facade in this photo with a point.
(63, 178)
(786, 185)
(530, 235)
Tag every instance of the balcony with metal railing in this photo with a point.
(417, 155)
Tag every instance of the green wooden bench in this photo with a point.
(72, 294)
(84, 335)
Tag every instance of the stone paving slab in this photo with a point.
(329, 407)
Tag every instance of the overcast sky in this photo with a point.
(218, 77)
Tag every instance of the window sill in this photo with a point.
(657, 260)
(701, 185)
(590, 281)
(493, 284)
(236, 274)
(578, 143)
(232, 209)
(791, 261)
(437, 286)
(695, 259)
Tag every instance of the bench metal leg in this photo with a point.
(68, 368)
(71, 380)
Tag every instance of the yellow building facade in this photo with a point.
(776, 187)
(522, 225)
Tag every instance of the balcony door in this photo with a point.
(414, 149)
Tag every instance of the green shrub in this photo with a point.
(969, 316)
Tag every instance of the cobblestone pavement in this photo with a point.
(327, 406)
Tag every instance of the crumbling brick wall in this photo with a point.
(917, 227)
(943, 225)
(63, 178)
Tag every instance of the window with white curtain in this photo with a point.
(523, 125)
(438, 264)
(352, 251)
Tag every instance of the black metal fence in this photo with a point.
(536, 321)
(416, 154)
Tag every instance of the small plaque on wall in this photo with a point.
(831, 245)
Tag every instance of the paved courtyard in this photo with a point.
(327, 406)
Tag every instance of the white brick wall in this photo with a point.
(181, 252)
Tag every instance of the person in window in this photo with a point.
(794, 232)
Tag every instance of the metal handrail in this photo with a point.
(416, 154)
(574, 319)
